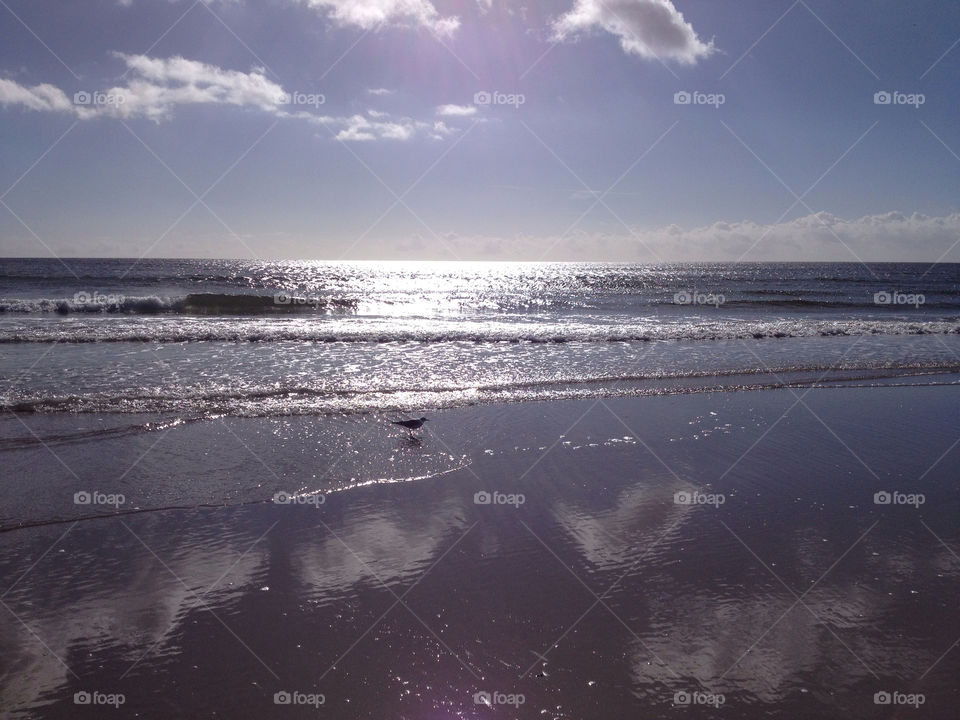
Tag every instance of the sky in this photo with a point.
(621, 130)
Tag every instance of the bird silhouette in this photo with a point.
(410, 425)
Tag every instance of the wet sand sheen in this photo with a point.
(602, 594)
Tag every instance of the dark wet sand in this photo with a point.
(599, 596)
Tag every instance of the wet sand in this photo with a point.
(684, 556)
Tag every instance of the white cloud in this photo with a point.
(380, 126)
(156, 86)
(822, 235)
(38, 97)
(648, 28)
(891, 236)
(441, 130)
(373, 14)
(456, 110)
(380, 91)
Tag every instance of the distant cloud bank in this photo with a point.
(891, 236)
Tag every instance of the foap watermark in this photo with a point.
(98, 98)
(98, 498)
(95, 697)
(685, 497)
(694, 297)
(498, 498)
(302, 98)
(285, 498)
(284, 298)
(686, 699)
(898, 698)
(895, 297)
(483, 697)
(895, 97)
(499, 98)
(695, 97)
(295, 697)
(97, 298)
(899, 498)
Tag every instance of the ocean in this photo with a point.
(198, 338)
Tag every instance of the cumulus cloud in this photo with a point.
(374, 14)
(457, 110)
(158, 85)
(648, 28)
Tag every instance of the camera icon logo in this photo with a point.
(481, 98)
(282, 498)
(882, 298)
(82, 698)
(482, 498)
(882, 698)
(82, 498)
(681, 697)
(681, 98)
(882, 498)
(482, 698)
(682, 298)
(682, 498)
(282, 698)
(281, 298)
(81, 98)
(881, 98)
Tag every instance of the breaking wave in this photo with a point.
(192, 304)
(329, 329)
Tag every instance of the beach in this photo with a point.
(431, 360)
(675, 555)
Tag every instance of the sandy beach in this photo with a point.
(656, 557)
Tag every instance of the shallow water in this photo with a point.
(599, 595)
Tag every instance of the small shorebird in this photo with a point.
(410, 425)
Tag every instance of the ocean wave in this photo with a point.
(194, 404)
(192, 304)
(328, 329)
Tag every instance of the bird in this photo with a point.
(410, 425)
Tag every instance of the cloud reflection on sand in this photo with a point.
(387, 546)
(751, 643)
(105, 592)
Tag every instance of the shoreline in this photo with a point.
(368, 420)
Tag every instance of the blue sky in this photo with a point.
(480, 129)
